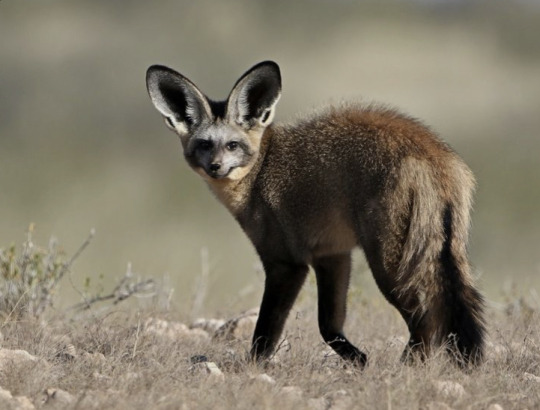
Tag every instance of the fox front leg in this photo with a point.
(283, 282)
(333, 274)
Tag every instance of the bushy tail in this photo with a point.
(435, 289)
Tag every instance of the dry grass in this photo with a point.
(121, 356)
(115, 362)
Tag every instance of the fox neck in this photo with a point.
(234, 193)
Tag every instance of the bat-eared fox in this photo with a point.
(306, 194)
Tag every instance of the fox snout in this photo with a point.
(218, 170)
(214, 163)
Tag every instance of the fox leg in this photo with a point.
(407, 303)
(419, 345)
(283, 282)
(412, 312)
(333, 274)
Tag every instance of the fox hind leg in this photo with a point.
(384, 266)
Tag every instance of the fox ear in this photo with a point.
(253, 98)
(176, 98)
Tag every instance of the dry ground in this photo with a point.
(128, 359)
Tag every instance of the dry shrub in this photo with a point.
(29, 279)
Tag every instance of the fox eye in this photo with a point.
(204, 145)
(231, 146)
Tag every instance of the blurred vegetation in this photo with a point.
(29, 278)
(82, 147)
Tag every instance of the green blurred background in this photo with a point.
(82, 147)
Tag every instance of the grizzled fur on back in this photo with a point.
(307, 193)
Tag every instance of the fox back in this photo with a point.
(308, 193)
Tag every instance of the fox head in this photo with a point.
(220, 139)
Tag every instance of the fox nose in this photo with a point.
(215, 167)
